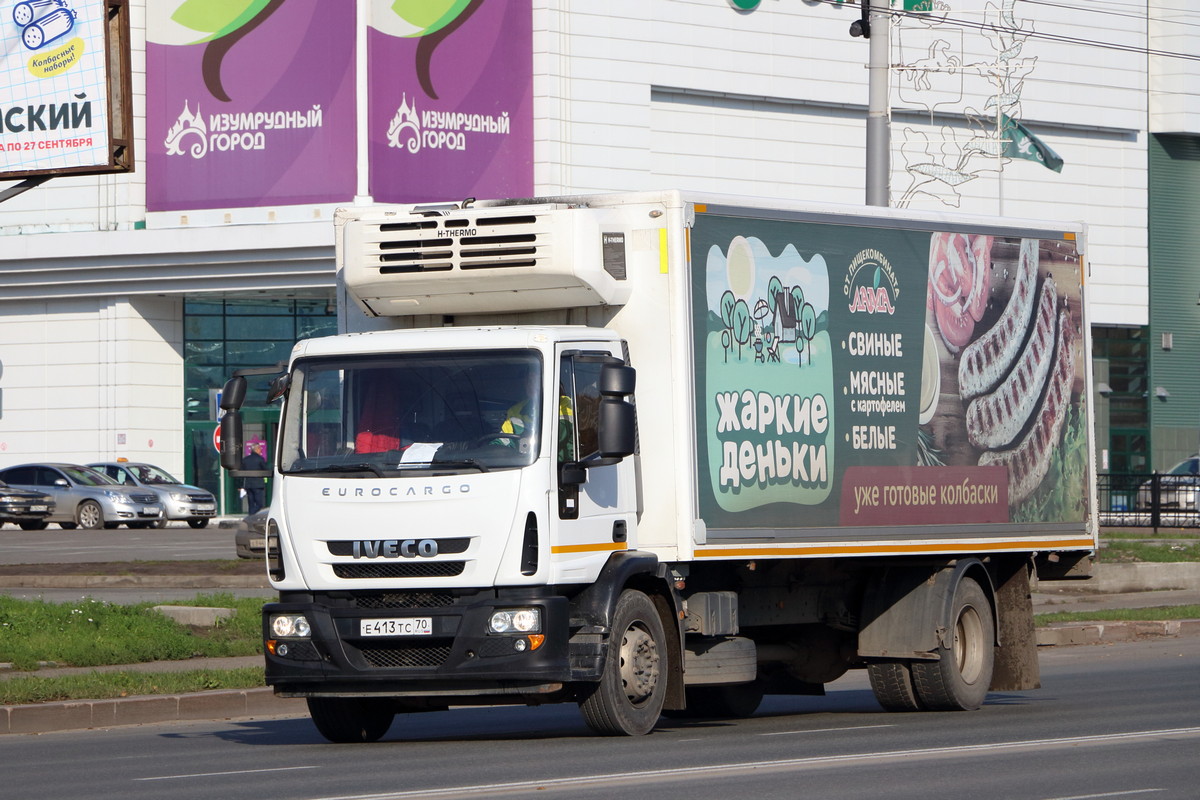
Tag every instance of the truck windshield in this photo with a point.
(385, 416)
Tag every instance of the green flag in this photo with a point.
(1021, 143)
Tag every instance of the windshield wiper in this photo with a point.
(358, 466)
(463, 463)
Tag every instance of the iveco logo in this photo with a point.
(396, 548)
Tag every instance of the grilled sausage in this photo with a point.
(995, 420)
(1029, 461)
(989, 358)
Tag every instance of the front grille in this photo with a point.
(407, 569)
(385, 600)
(429, 654)
(144, 498)
(201, 498)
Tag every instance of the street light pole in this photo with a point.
(879, 156)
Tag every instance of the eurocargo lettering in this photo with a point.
(672, 452)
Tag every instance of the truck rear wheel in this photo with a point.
(960, 678)
(892, 684)
(629, 697)
(350, 719)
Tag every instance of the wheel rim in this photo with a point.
(89, 515)
(639, 664)
(969, 644)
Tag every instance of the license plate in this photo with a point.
(37, 508)
(411, 626)
(205, 507)
(258, 543)
(150, 512)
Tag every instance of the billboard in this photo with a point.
(850, 376)
(64, 65)
(249, 104)
(454, 117)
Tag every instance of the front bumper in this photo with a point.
(459, 659)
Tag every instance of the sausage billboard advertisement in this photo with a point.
(876, 377)
(62, 79)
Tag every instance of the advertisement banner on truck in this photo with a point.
(858, 376)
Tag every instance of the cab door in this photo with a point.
(596, 512)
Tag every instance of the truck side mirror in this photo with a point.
(618, 420)
(234, 393)
(231, 440)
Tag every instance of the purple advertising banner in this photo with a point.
(249, 104)
(454, 118)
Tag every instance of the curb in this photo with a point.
(134, 581)
(83, 714)
(1109, 632)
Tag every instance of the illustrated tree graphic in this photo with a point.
(743, 325)
(728, 301)
(808, 329)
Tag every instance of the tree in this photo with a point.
(808, 327)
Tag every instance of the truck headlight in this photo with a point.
(516, 620)
(290, 626)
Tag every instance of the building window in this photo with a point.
(223, 335)
(1128, 353)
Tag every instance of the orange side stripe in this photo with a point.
(589, 548)
(939, 547)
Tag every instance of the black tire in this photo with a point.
(350, 719)
(68, 526)
(202, 522)
(893, 686)
(959, 679)
(628, 700)
(89, 515)
(158, 524)
(32, 524)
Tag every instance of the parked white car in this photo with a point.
(85, 498)
(180, 500)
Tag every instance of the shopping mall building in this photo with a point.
(127, 298)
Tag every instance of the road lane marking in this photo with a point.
(706, 771)
(1126, 793)
(828, 730)
(219, 774)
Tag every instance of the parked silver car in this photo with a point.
(85, 498)
(180, 500)
(1178, 488)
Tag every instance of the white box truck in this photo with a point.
(667, 452)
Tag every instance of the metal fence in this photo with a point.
(1149, 500)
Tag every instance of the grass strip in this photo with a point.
(90, 633)
(1130, 552)
(1152, 614)
(110, 685)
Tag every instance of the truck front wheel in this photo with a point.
(350, 719)
(629, 697)
(960, 678)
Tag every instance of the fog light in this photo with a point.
(290, 626)
(282, 649)
(516, 620)
(520, 645)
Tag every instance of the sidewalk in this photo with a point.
(1165, 585)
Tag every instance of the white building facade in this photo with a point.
(109, 296)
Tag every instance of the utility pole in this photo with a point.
(875, 25)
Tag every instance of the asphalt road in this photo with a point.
(175, 542)
(1110, 722)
